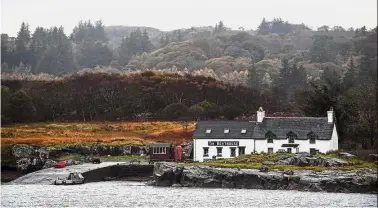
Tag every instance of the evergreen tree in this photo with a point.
(146, 43)
(253, 80)
(350, 75)
(166, 42)
(365, 70)
(179, 36)
(22, 40)
(38, 46)
(58, 58)
(92, 44)
(264, 27)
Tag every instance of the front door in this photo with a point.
(241, 151)
(289, 150)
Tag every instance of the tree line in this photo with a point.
(51, 51)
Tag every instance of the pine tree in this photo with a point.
(22, 40)
(365, 70)
(264, 27)
(146, 43)
(253, 80)
(166, 42)
(179, 36)
(38, 46)
(350, 75)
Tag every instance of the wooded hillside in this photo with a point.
(118, 72)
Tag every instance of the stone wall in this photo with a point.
(172, 174)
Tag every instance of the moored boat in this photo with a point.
(72, 179)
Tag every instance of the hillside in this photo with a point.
(205, 72)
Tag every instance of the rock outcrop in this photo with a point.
(172, 174)
(306, 159)
(30, 158)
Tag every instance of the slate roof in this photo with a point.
(279, 126)
(217, 129)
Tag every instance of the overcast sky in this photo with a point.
(176, 14)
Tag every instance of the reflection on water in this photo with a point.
(133, 194)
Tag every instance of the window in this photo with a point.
(270, 136)
(312, 151)
(312, 137)
(205, 151)
(219, 151)
(243, 131)
(233, 151)
(241, 151)
(226, 131)
(291, 137)
(159, 150)
(208, 131)
(270, 150)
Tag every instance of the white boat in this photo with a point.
(73, 178)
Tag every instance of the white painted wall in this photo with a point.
(335, 139)
(262, 146)
(226, 151)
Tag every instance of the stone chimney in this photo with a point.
(260, 115)
(330, 115)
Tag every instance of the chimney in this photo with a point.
(260, 115)
(330, 115)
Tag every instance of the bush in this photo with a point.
(175, 111)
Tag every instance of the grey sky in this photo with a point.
(175, 14)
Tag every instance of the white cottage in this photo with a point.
(226, 139)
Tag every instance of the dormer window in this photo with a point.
(312, 137)
(208, 131)
(226, 131)
(291, 137)
(270, 137)
(243, 131)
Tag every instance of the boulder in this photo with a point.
(164, 173)
(268, 163)
(330, 162)
(24, 165)
(69, 162)
(263, 169)
(346, 155)
(249, 160)
(49, 164)
(22, 151)
(288, 172)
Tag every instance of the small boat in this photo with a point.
(72, 179)
(61, 164)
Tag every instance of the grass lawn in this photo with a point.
(254, 161)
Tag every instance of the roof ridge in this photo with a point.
(298, 117)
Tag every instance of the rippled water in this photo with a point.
(132, 194)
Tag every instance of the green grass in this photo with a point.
(71, 157)
(254, 161)
(121, 158)
(105, 158)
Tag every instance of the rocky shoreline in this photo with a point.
(172, 174)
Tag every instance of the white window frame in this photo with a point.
(159, 150)
(221, 151)
(208, 131)
(232, 148)
(244, 131)
(206, 148)
(226, 131)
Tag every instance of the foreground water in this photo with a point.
(132, 194)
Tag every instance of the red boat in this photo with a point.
(61, 164)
